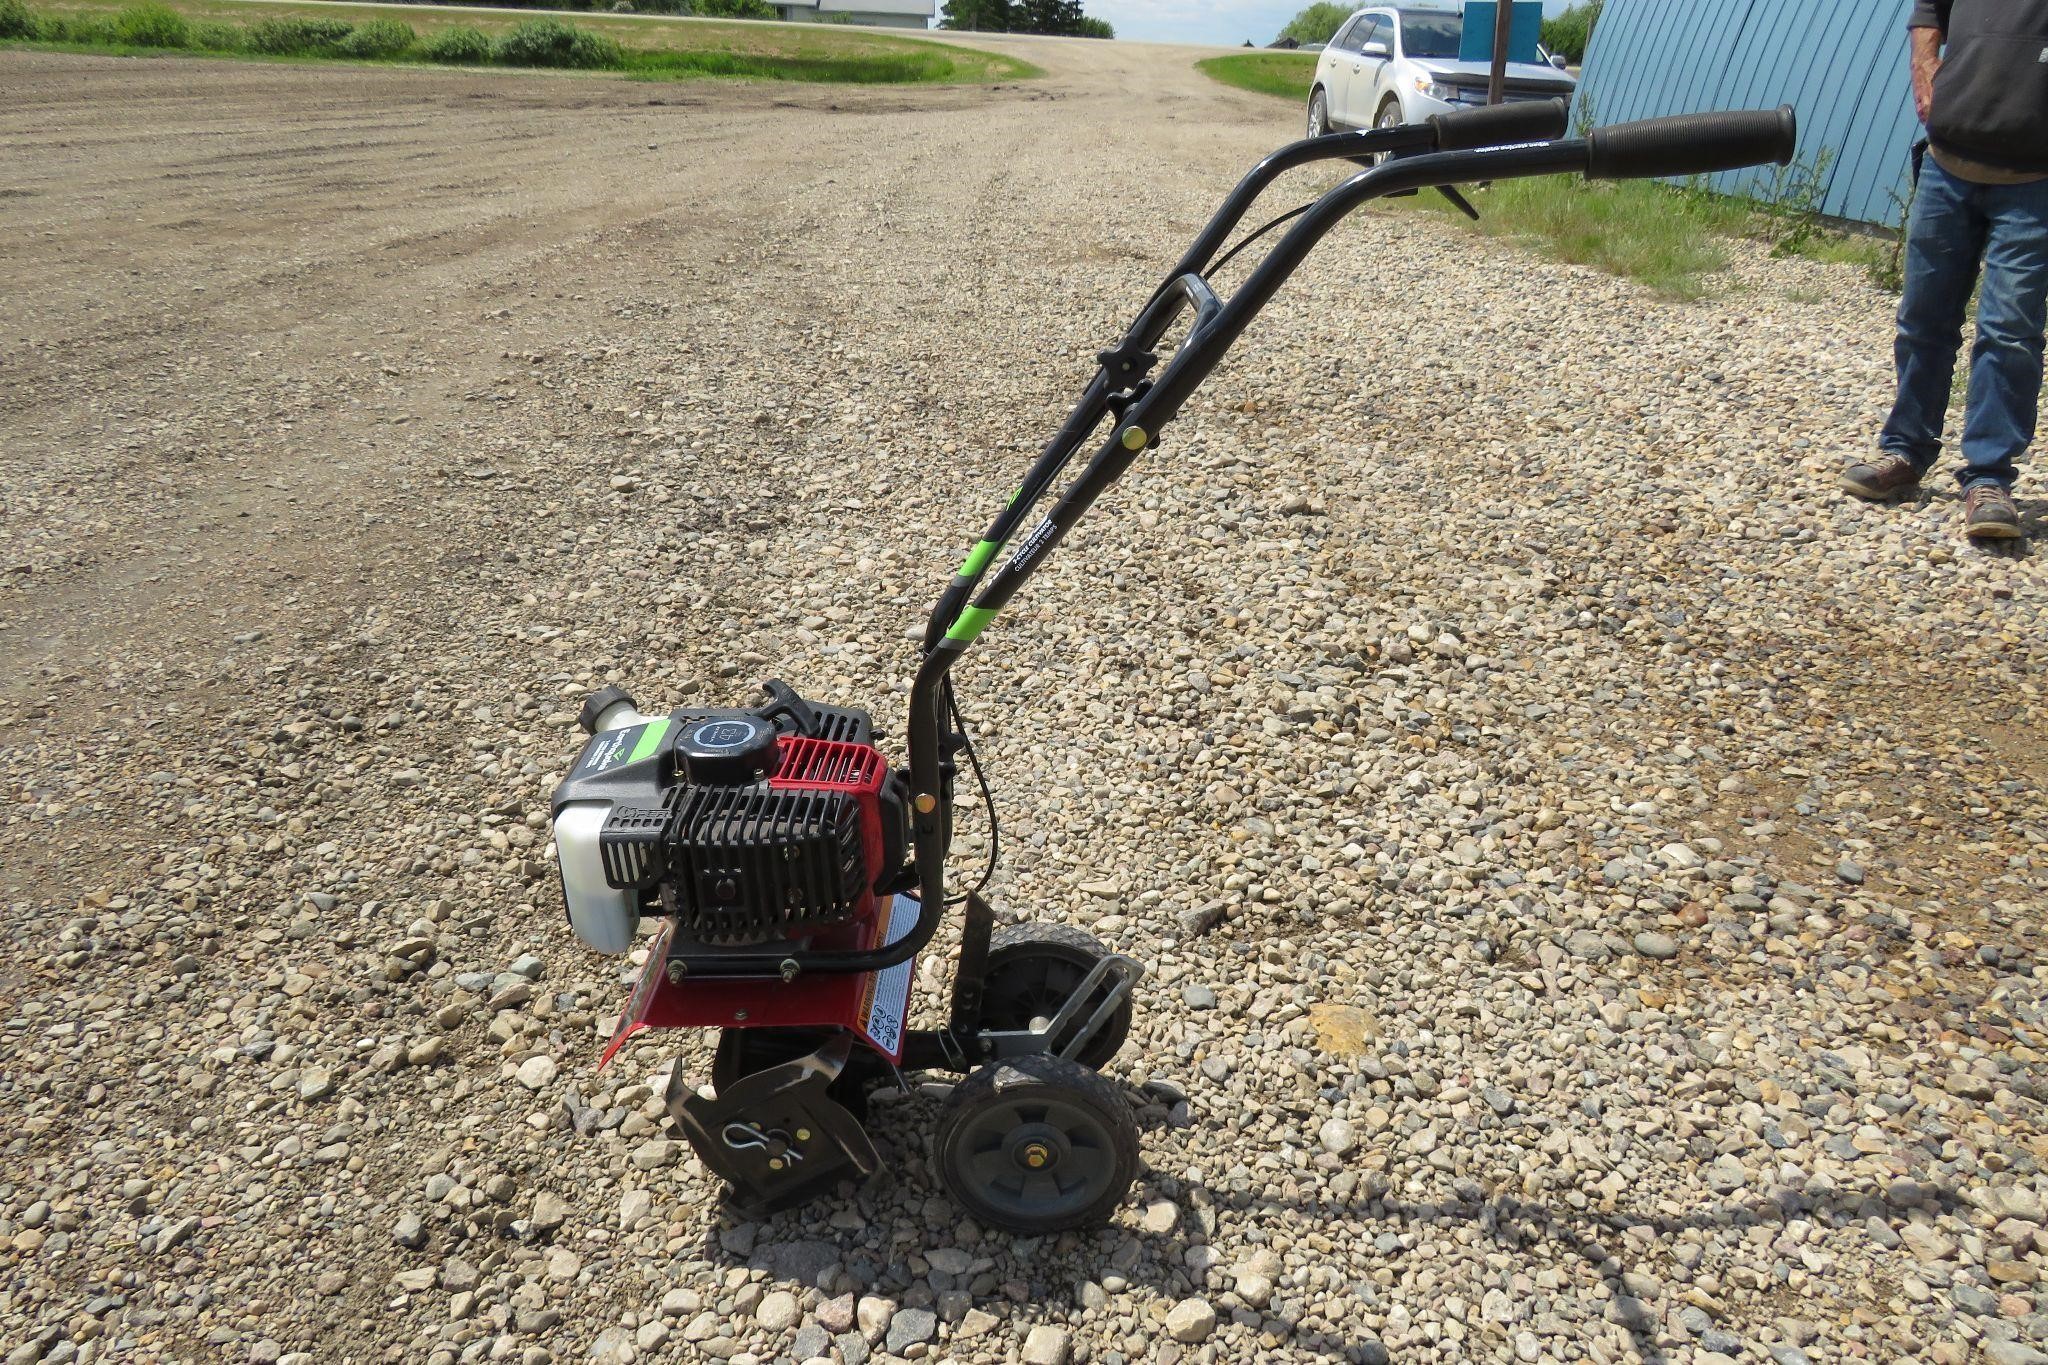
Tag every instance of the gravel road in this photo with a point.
(1591, 874)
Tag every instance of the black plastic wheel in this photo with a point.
(1037, 1144)
(1032, 969)
(743, 1051)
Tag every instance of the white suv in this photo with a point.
(1399, 64)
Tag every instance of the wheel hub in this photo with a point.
(1037, 1148)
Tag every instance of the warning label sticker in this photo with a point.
(888, 991)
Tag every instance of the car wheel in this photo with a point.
(1389, 117)
(1318, 114)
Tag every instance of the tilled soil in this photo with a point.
(1590, 872)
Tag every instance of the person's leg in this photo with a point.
(1944, 244)
(2012, 311)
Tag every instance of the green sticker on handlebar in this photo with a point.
(978, 558)
(971, 622)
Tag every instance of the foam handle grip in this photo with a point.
(1499, 125)
(1692, 144)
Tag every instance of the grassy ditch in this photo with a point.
(639, 47)
(1286, 74)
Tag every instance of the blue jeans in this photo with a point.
(1958, 227)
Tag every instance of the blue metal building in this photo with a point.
(1841, 63)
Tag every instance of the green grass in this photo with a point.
(645, 48)
(1668, 239)
(1671, 240)
(1286, 74)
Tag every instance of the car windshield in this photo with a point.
(1431, 35)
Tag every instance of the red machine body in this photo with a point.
(871, 1005)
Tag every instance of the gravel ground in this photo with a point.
(1590, 872)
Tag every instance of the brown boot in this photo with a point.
(1988, 513)
(1882, 477)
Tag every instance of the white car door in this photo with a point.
(1370, 62)
(1333, 68)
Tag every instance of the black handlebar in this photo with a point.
(1499, 143)
(1500, 125)
(1692, 144)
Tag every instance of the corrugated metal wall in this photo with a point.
(1840, 63)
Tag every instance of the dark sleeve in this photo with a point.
(1930, 14)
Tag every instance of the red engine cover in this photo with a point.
(832, 766)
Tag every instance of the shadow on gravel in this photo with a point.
(1518, 1224)
(802, 1245)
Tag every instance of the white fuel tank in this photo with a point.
(602, 916)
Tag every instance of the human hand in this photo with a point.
(1926, 61)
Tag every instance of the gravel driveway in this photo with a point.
(1592, 875)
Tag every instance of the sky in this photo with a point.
(1226, 22)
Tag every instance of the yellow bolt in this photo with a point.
(1134, 438)
(803, 1135)
(774, 1163)
(927, 803)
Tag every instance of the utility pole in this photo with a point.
(1503, 27)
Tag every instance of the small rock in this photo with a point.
(536, 1072)
(1338, 1137)
(836, 1315)
(1191, 1321)
(655, 1153)
(550, 1211)
(1046, 1345)
(909, 1326)
(1655, 945)
(410, 1232)
(950, 1260)
(777, 1311)
(873, 1315)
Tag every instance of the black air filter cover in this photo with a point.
(725, 751)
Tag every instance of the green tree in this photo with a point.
(983, 16)
(1318, 23)
(1023, 16)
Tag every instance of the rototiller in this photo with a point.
(797, 874)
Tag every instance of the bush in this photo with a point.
(87, 30)
(15, 20)
(298, 37)
(1570, 32)
(217, 37)
(550, 42)
(378, 39)
(152, 25)
(734, 9)
(462, 46)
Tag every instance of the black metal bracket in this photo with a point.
(1121, 403)
(1126, 364)
(1464, 205)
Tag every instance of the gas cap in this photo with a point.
(726, 751)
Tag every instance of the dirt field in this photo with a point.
(1660, 832)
